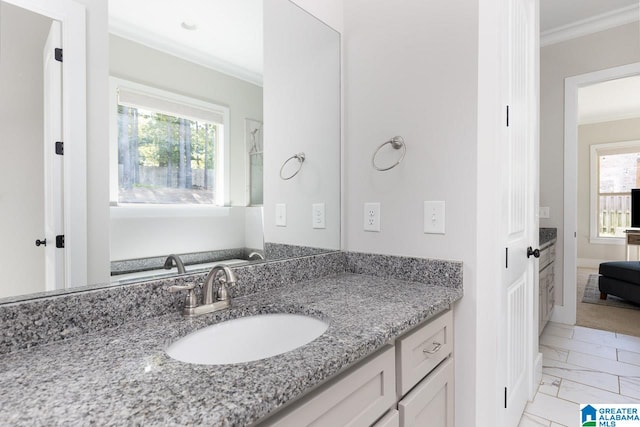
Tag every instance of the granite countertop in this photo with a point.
(546, 235)
(122, 376)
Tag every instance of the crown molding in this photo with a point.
(605, 21)
(163, 44)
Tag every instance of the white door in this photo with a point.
(519, 229)
(53, 162)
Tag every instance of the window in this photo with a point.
(169, 148)
(615, 172)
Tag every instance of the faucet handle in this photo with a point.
(190, 299)
(177, 288)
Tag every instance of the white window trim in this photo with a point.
(593, 190)
(222, 164)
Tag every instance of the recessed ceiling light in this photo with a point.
(189, 25)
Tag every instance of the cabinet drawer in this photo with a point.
(357, 398)
(431, 402)
(633, 238)
(421, 350)
(391, 419)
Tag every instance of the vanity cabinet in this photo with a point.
(409, 383)
(546, 291)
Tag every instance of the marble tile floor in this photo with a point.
(582, 365)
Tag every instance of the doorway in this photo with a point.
(22, 193)
(566, 313)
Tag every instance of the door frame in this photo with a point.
(566, 313)
(74, 129)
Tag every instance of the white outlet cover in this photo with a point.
(434, 217)
(281, 214)
(317, 215)
(371, 219)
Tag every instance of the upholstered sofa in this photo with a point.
(620, 278)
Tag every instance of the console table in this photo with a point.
(633, 239)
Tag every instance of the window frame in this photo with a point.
(597, 150)
(223, 150)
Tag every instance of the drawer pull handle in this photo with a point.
(436, 347)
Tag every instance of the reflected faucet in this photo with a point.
(168, 264)
(255, 255)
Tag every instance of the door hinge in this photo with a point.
(506, 257)
(58, 54)
(505, 398)
(507, 116)
(60, 148)
(60, 241)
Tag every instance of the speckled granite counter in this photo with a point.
(547, 235)
(121, 376)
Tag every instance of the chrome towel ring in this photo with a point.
(396, 143)
(300, 157)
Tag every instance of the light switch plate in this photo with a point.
(281, 214)
(317, 215)
(543, 212)
(434, 217)
(371, 217)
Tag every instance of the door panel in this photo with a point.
(518, 201)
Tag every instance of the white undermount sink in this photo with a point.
(247, 339)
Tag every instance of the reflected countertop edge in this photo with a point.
(122, 375)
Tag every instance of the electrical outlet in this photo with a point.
(281, 215)
(317, 215)
(371, 217)
(434, 217)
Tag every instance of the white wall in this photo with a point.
(21, 144)
(302, 114)
(135, 62)
(591, 254)
(598, 51)
(411, 69)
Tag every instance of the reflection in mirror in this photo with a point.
(22, 189)
(302, 115)
(181, 155)
(238, 158)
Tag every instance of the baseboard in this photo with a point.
(589, 262)
(537, 376)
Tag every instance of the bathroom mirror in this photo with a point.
(317, 132)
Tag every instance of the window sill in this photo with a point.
(166, 211)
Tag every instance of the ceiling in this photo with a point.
(562, 20)
(612, 100)
(225, 34)
(560, 13)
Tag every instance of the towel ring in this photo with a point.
(396, 143)
(300, 157)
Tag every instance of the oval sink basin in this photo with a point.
(247, 339)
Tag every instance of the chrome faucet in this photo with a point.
(222, 293)
(210, 301)
(168, 264)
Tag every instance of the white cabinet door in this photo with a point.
(430, 403)
(358, 397)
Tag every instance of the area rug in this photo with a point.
(592, 296)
